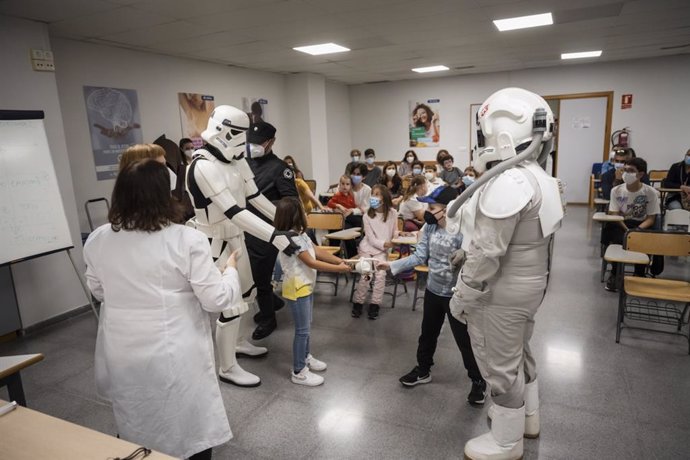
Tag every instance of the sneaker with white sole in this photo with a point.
(315, 364)
(304, 377)
(415, 377)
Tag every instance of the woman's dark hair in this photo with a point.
(414, 185)
(185, 140)
(396, 180)
(429, 114)
(141, 198)
(416, 158)
(361, 167)
(290, 215)
(386, 201)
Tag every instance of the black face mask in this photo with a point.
(430, 218)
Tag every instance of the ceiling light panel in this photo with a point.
(581, 55)
(323, 48)
(433, 68)
(524, 22)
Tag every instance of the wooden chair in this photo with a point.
(312, 185)
(421, 271)
(655, 300)
(656, 176)
(329, 222)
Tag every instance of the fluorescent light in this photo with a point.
(524, 22)
(581, 54)
(323, 48)
(433, 68)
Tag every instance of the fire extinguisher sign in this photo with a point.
(626, 101)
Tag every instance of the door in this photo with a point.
(581, 139)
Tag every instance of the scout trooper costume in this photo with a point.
(507, 227)
(220, 183)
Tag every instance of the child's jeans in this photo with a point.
(301, 314)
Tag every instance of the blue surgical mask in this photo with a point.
(374, 202)
(467, 180)
(687, 161)
(416, 171)
(370, 160)
(356, 179)
(355, 159)
(618, 165)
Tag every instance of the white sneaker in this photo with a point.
(304, 377)
(314, 364)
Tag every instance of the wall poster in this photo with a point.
(424, 123)
(114, 125)
(195, 110)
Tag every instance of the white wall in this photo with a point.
(658, 119)
(157, 80)
(338, 125)
(47, 286)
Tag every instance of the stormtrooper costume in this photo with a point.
(220, 184)
(508, 227)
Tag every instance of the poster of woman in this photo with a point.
(425, 124)
(194, 112)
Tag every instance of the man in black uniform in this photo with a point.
(275, 180)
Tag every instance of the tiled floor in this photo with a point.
(600, 399)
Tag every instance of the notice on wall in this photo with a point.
(425, 123)
(256, 107)
(195, 110)
(114, 125)
(626, 101)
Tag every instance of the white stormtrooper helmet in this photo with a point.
(505, 124)
(227, 131)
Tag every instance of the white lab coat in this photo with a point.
(154, 352)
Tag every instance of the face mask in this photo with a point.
(355, 159)
(629, 178)
(356, 179)
(429, 176)
(290, 165)
(189, 152)
(370, 160)
(416, 171)
(256, 150)
(430, 218)
(410, 159)
(390, 172)
(687, 161)
(467, 180)
(618, 165)
(374, 202)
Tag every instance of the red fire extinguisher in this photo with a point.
(620, 138)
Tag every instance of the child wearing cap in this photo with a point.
(441, 251)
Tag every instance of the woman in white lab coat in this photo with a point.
(154, 352)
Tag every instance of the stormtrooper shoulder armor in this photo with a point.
(506, 195)
(208, 178)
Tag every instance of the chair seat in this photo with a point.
(422, 269)
(393, 256)
(671, 290)
(330, 249)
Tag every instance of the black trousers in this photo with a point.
(436, 309)
(351, 245)
(203, 455)
(262, 258)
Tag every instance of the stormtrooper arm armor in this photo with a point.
(210, 182)
(251, 191)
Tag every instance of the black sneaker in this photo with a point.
(373, 311)
(478, 392)
(611, 284)
(356, 310)
(415, 377)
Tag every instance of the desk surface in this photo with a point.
(12, 364)
(347, 234)
(405, 240)
(603, 217)
(26, 434)
(667, 190)
(616, 253)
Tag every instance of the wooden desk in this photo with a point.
(10, 366)
(26, 434)
(409, 240)
(600, 204)
(347, 234)
(615, 254)
(603, 217)
(663, 191)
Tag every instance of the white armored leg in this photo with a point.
(532, 410)
(245, 347)
(229, 371)
(504, 441)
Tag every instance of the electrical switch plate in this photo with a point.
(37, 54)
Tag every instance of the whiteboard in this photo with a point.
(32, 216)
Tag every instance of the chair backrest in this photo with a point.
(677, 220)
(312, 185)
(658, 243)
(657, 175)
(325, 221)
(596, 169)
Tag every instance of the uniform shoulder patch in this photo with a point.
(287, 173)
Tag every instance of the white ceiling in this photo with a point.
(387, 37)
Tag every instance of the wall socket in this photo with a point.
(42, 60)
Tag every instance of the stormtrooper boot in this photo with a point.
(504, 441)
(245, 347)
(531, 410)
(229, 371)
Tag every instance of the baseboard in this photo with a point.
(56, 319)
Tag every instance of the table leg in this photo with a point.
(14, 388)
